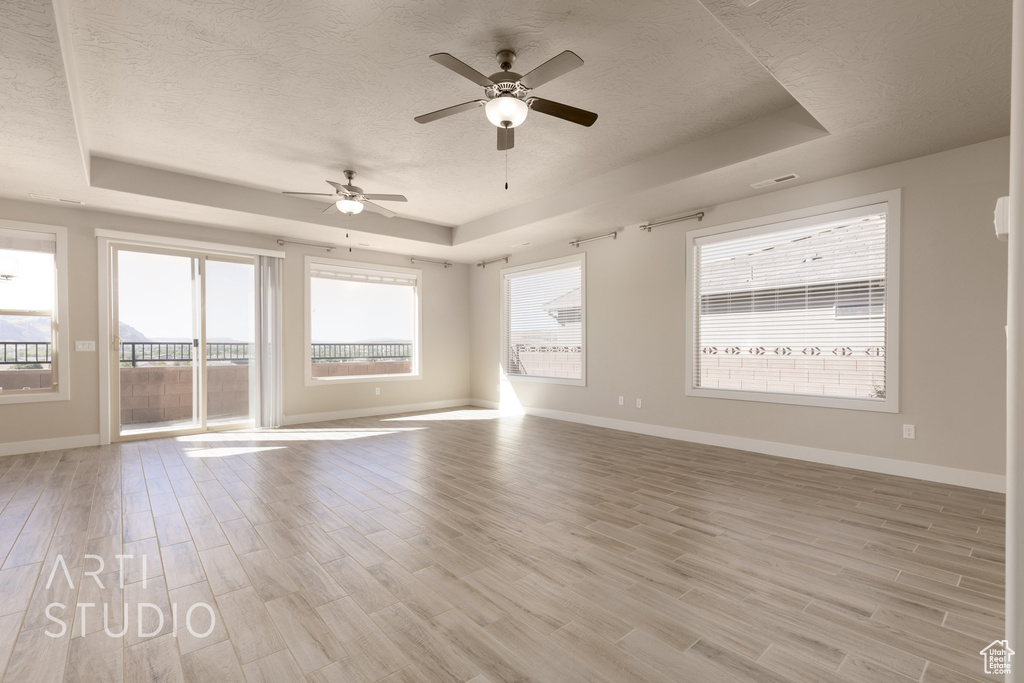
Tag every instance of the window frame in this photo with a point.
(536, 268)
(372, 268)
(794, 219)
(60, 351)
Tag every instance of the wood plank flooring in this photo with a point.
(463, 546)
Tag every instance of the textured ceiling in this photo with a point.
(239, 100)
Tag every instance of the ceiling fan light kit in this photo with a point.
(349, 207)
(506, 111)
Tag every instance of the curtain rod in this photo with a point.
(699, 216)
(414, 259)
(483, 264)
(577, 242)
(328, 247)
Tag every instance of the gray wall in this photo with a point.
(445, 328)
(953, 299)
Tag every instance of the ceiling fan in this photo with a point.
(508, 93)
(350, 199)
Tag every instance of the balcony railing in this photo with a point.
(334, 353)
(133, 353)
(16, 353)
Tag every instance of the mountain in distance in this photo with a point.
(24, 328)
(130, 334)
(36, 328)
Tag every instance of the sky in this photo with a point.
(155, 297)
(32, 285)
(358, 311)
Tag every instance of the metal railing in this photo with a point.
(133, 353)
(16, 353)
(333, 353)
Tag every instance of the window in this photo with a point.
(33, 313)
(544, 321)
(801, 310)
(363, 321)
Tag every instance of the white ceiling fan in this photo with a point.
(508, 94)
(351, 200)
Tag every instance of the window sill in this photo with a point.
(548, 380)
(356, 379)
(887, 405)
(20, 396)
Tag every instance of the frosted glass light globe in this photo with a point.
(349, 206)
(506, 108)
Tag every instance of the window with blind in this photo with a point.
(32, 315)
(800, 311)
(363, 322)
(543, 321)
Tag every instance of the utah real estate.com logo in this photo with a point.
(997, 657)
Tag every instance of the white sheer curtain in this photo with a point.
(271, 408)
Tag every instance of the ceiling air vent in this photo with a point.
(775, 181)
(58, 200)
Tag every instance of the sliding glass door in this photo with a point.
(230, 341)
(184, 325)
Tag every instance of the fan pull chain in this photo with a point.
(348, 236)
(506, 165)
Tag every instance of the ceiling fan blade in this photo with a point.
(506, 138)
(461, 68)
(386, 197)
(551, 69)
(337, 186)
(563, 111)
(333, 206)
(312, 194)
(448, 111)
(379, 209)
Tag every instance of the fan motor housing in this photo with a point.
(506, 83)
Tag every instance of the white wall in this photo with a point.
(953, 298)
(30, 426)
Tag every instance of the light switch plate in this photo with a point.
(85, 346)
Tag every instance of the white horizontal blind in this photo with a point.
(25, 240)
(544, 322)
(794, 310)
(359, 275)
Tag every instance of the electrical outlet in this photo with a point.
(622, 400)
(376, 391)
(85, 346)
(908, 432)
(638, 403)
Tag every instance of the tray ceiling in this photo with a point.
(204, 112)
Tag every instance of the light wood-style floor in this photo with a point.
(459, 546)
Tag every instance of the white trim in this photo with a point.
(890, 200)
(290, 420)
(61, 349)
(204, 247)
(42, 445)
(857, 461)
(368, 268)
(535, 268)
(105, 345)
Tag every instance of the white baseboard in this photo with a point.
(870, 463)
(290, 420)
(42, 445)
